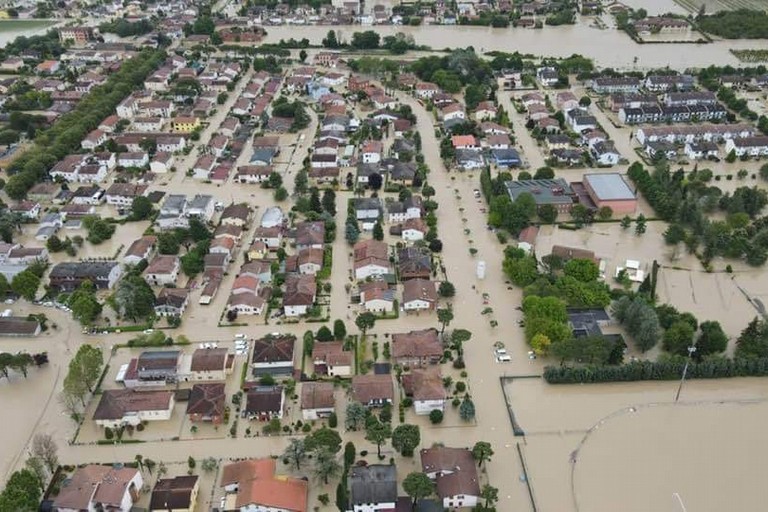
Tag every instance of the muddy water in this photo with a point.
(609, 48)
(703, 458)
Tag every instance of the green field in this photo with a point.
(19, 25)
(712, 6)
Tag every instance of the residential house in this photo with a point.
(96, 487)
(162, 162)
(417, 348)
(273, 355)
(121, 407)
(371, 152)
(414, 263)
(547, 76)
(373, 390)
(300, 294)
(372, 488)
(330, 358)
(309, 261)
(206, 403)
(310, 235)
(171, 302)
(610, 85)
(264, 403)
(377, 297)
(701, 150)
(69, 275)
(121, 195)
(419, 294)
(235, 215)
(580, 120)
(455, 475)
(367, 209)
(271, 237)
(371, 258)
(413, 230)
(253, 486)
(317, 400)
(604, 153)
(253, 173)
(464, 142)
(178, 494)
(425, 386)
(210, 364)
(163, 270)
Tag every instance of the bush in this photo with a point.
(407, 402)
(461, 387)
(436, 416)
(333, 420)
(662, 370)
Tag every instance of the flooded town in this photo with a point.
(399, 256)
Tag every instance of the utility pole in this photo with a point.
(691, 350)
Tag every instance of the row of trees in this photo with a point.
(686, 201)
(81, 379)
(66, 133)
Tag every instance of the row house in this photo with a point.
(695, 133)
(689, 98)
(609, 85)
(750, 146)
(666, 83)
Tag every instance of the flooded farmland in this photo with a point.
(615, 48)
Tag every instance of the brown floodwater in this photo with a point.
(608, 47)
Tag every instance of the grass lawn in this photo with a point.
(15, 25)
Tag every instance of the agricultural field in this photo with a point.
(711, 6)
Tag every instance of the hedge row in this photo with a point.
(648, 370)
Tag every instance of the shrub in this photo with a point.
(660, 370)
(333, 420)
(436, 416)
(461, 387)
(407, 402)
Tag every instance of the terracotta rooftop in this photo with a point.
(95, 484)
(115, 403)
(366, 388)
(317, 395)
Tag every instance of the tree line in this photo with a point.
(65, 135)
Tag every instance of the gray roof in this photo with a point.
(83, 269)
(174, 203)
(200, 201)
(376, 483)
(556, 191)
(609, 187)
(367, 203)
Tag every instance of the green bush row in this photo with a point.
(649, 370)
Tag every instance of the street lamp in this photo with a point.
(691, 350)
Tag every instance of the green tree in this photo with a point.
(548, 213)
(678, 338)
(22, 492)
(446, 289)
(365, 321)
(356, 416)
(482, 452)
(605, 213)
(323, 438)
(674, 234)
(324, 334)
(583, 270)
(435, 416)
(377, 432)
(467, 409)
(281, 194)
(712, 339)
(349, 454)
(378, 231)
(640, 224)
(521, 271)
(134, 298)
(329, 201)
(351, 232)
(303, 55)
(330, 40)
(326, 465)
(84, 304)
(458, 338)
(491, 495)
(295, 452)
(25, 284)
(752, 343)
(300, 182)
(86, 365)
(544, 173)
(444, 316)
(405, 439)
(626, 221)
(339, 329)
(418, 486)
